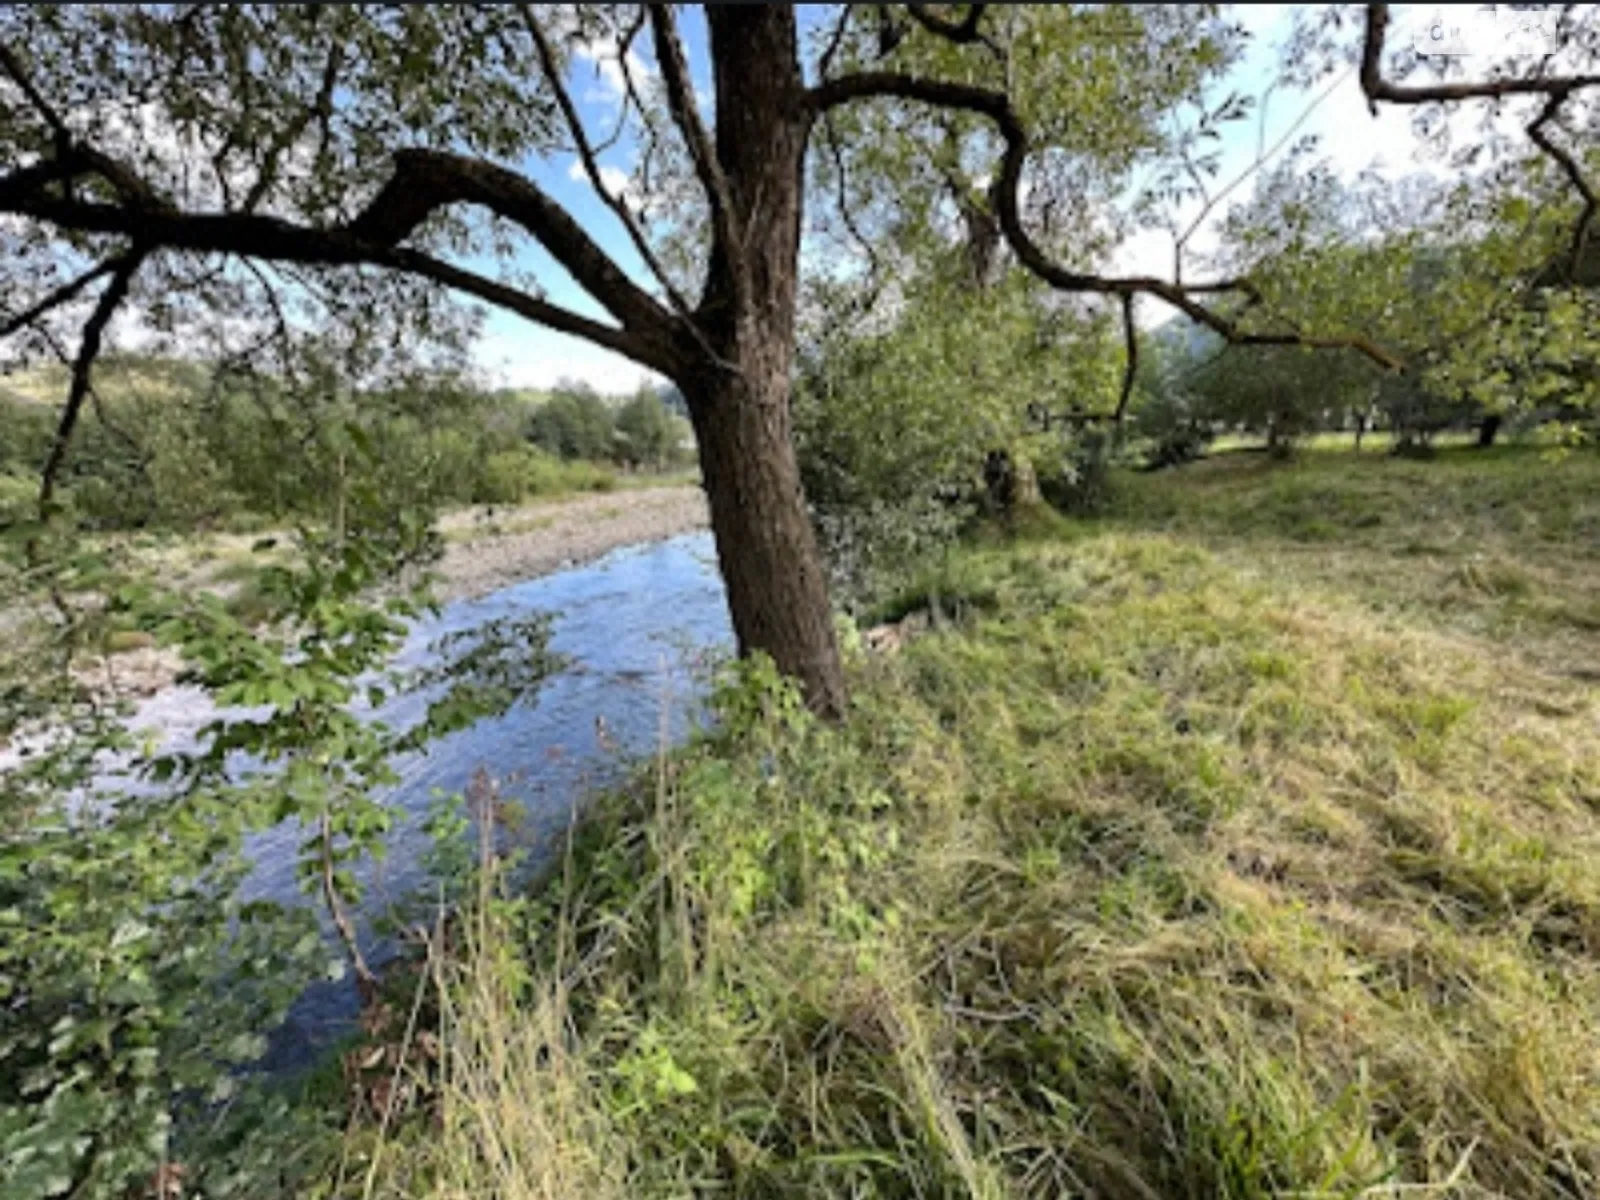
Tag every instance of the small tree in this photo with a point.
(647, 434)
(573, 423)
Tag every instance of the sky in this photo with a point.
(517, 353)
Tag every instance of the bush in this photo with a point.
(1080, 485)
(573, 423)
(19, 500)
(504, 478)
(648, 434)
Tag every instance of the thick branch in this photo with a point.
(997, 107)
(426, 180)
(123, 269)
(251, 235)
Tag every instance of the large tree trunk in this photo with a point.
(737, 384)
(777, 592)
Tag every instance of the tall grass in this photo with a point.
(1156, 869)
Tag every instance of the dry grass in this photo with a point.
(1149, 876)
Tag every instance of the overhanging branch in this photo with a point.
(1557, 89)
(996, 106)
(425, 181)
(1375, 87)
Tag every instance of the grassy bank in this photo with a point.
(1243, 843)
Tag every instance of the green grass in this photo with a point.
(1502, 544)
(1199, 852)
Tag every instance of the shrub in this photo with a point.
(504, 478)
(19, 500)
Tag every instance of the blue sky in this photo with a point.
(518, 353)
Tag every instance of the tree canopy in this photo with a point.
(294, 167)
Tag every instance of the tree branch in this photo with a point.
(630, 94)
(997, 107)
(1574, 174)
(841, 186)
(69, 149)
(320, 110)
(964, 32)
(681, 103)
(835, 40)
(427, 180)
(62, 295)
(650, 347)
(253, 235)
(122, 271)
(1130, 367)
(19, 76)
(1375, 87)
(1556, 89)
(591, 165)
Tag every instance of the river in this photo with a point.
(633, 625)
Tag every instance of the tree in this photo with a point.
(647, 433)
(573, 423)
(352, 149)
(1282, 392)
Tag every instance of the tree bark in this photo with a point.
(777, 590)
(737, 382)
(1488, 429)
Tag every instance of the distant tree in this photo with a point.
(672, 399)
(647, 434)
(1282, 393)
(573, 423)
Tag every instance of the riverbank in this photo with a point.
(486, 548)
(1175, 860)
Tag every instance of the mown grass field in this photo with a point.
(1243, 842)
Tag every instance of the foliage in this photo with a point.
(1167, 871)
(135, 982)
(894, 424)
(648, 433)
(1283, 392)
(573, 422)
